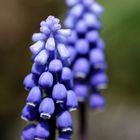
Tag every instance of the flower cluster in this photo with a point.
(87, 50)
(49, 84)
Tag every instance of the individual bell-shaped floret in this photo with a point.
(72, 38)
(64, 136)
(66, 74)
(55, 66)
(63, 51)
(82, 46)
(28, 132)
(100, 44)
(71, 2)
(97, 58)
(34, 97)
(42, 57)
(46, 108)
(81, 91)
(50, 44)
(92, 36)
(29, 113)
(59, 93)
(42, 131)
(64, 122)
(97, 101)
(72, 52)
(64, 32)
(71, 102)
(30, 81)
(46, 80)
(38, 37)
(99, 80)
(81, 27)
(81, 68)
(37, 47)
(38, 69)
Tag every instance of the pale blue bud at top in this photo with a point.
(38, 36)
(97, 9)
(64, 32)
(64, 121)
(34, 97)
(81, 68)
(28, 132)
(71, 102)
(38, 69)
(81, 27)
(59, 93)
(72, 2)
(56, 27)
(30, 81)
(97, 58)
(81, 91)
(77, 10)
(50, 44)
(42, 131)
(37, 47)
(64, 136)
(46, 108)
(82, 46)
(72, 52)
(55, 66)
(97, 101)
(29, 113)
(42, 57)
(99, 80)
(92, 36)
(46, 80)
(66, 74)
(63, 51)
(44, 29)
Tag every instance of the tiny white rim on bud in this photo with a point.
(31, 104)
(24, 118)
(45, 115)
(66, 129)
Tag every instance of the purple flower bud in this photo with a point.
(82, 46)
(29, 113)
(34, 96)
(50, 44)
(64, 32)
(77, 10)
(42, 131)
(99, 80)
(66, 74)
(30, 81)
(97, 101)
(71, 2)
(87, 2)
(73, 37)
(59, 93)
(38, 69)
(100, 44)
(28, 132)
(81, 68)
(44, 29)
(71, 101)
(38, 37)
(70, 21)
(92, 36)
(63, 51)
(37, 47)
(81, 26)
(46, 108)
(97, 58)
(72, 52)
(64, 122)
(46, 80)
(42, 57)
(55, 66)
(81, 91)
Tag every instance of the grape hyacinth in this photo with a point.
(87, 50)
(49, 84)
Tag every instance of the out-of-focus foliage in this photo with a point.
(121, 32)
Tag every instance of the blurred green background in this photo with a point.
(121, 20)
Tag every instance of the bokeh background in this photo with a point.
(121, 32)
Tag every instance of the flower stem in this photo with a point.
(82, 121)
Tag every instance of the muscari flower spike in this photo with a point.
(87, 50)
(49, 84)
